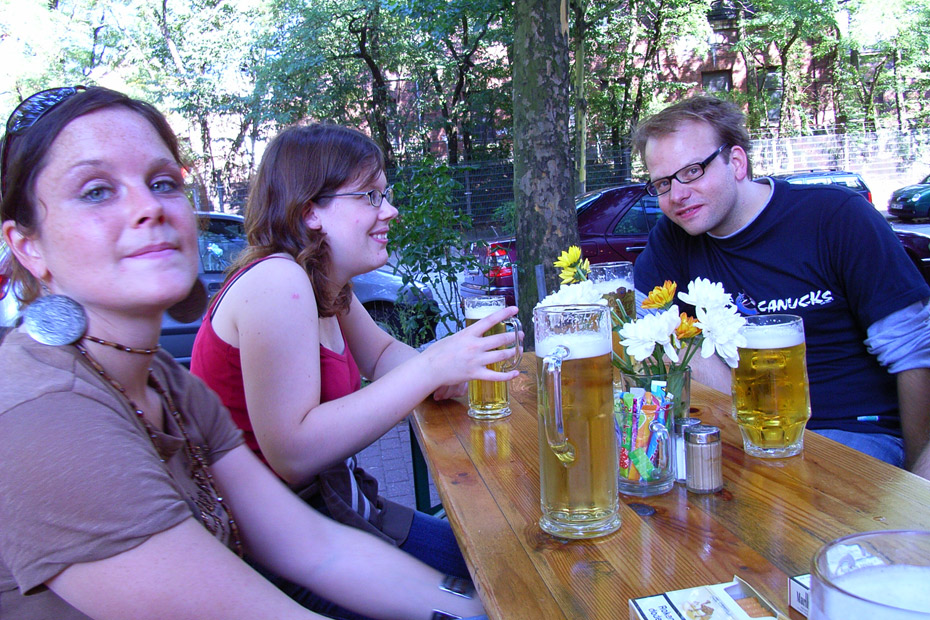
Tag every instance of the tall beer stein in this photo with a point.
(490, 400)
(577, 441)
(771, 397)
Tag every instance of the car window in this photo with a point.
(221, 241)
(926, 181)
(811, 181)
(851, 182)
(640, 218)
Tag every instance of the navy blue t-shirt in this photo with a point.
(821, 252)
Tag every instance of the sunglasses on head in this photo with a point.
(26, 115)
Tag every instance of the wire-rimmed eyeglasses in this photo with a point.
(689, 173)
(26, 115)
(375, 196)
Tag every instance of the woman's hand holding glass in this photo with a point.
(470, 354)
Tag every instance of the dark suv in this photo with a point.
(613, 224)
(845, 178)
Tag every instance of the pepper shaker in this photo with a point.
(702, 459)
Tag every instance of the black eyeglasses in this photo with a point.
(689, 173)
(375, 197)
(26, 115)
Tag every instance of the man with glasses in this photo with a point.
(819, 251)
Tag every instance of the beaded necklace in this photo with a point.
(207, 495)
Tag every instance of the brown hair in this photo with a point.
(723, 116)
(300, 164)
(27, 157)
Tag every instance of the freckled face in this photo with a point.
(355, 231)
(116, 231)
(707, 204)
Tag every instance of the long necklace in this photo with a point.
(207, 495)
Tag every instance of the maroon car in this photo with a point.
(614, 224)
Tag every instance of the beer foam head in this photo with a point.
(612, 286)
(772, 336)
(579, 346)
(479, 312)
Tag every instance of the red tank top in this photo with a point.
(218, 364)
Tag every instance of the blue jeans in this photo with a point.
(886, 448)
(430, 540)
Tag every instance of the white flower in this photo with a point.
(702, 293)
(641, 336)
(572, 294)
(721, 330)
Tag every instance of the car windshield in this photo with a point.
(220, 243)
(926, 181)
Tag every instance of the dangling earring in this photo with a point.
(54, 320)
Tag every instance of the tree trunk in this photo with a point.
(546, 223)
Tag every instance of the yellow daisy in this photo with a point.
(687, 328)
(661, 296)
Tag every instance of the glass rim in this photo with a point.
(821, 552)
(776, 319)
(563, 307)
(611, 263)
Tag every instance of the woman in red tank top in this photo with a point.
(286, 341)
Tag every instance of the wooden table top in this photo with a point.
(764, 526)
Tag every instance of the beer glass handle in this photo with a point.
(518, 345)
(552, 417)
(663, 439)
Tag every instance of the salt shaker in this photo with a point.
(680, 462)
(702, 459)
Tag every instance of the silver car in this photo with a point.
(222, 237)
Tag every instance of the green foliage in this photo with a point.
(428, 240)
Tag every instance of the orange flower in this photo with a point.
(687, 329)
(661, 296)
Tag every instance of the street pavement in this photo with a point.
(390, 461)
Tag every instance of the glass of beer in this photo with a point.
(490, 400)
(771, 398)
(577, 440)
(872, 575)
(615, 282)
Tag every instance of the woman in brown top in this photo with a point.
(125, 490)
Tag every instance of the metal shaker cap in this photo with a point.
(702, 434)
(685, 423)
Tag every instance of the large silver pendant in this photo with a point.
(55, 320)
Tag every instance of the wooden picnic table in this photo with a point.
(764, 526)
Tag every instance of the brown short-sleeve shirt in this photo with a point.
(79, 477)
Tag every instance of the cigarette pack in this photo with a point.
(735, 600)
(799, 589)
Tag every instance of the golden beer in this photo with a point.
(578, 478)
(489, 400)
(771, 397)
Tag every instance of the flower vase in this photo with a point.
(646, 409)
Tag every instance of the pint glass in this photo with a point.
(577, 440)
(872, 575)
(771, 398)
(615, 282)
(490, 400)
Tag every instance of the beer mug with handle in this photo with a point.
(490, 400)
(577, 441)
